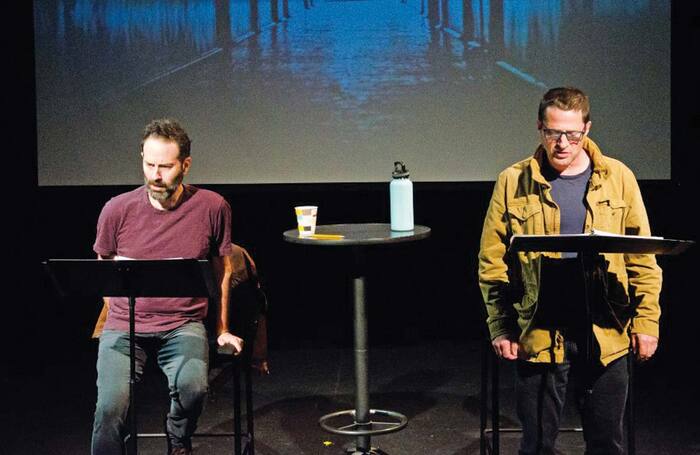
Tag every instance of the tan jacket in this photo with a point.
(522, 204)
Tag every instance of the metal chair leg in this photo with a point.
(495, 408)
(482, 402)
(629, 412)
(489, 363)
(249, 411)
(236, 373)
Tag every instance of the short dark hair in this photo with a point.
(171, 130)
(566, 99)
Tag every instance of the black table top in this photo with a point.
(358, 234)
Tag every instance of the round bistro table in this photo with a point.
(365, 421)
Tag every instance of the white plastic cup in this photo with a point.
(306, 219)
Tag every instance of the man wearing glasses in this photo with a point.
(535, 302)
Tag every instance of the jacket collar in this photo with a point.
(600, 166)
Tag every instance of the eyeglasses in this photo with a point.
(574, 137)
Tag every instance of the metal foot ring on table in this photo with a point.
(364, 428)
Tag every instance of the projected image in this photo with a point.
(337, 90)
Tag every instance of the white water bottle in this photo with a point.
(401, 199)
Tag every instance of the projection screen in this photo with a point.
(288, 91)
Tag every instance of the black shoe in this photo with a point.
(178, 447)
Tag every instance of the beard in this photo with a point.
(167, 190)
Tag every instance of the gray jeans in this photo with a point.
(182, 355)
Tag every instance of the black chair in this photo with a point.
(247, 308)
(490, 367)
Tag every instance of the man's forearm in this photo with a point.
(222, 323)
(223, 268)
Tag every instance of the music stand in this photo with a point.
(132, 279)
(588, 246)
(598, 242)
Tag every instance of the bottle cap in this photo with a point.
(400, 171)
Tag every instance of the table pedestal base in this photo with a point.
(363, 430)
(372, 451)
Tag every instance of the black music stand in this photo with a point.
(132, 279)
(588, 246)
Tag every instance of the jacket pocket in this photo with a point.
(610, 215)
(526, 219)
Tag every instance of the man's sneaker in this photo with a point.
(179, 447)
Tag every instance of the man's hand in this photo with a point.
(644, 346)
(227, 340)
(505, 347)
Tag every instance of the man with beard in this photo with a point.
(536, 301)
(162, 219)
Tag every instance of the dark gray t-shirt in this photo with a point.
(561, 304)
(569, 192)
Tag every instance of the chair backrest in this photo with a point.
(247, 300)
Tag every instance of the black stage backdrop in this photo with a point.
(418, 292)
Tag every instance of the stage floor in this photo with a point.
(435, 384)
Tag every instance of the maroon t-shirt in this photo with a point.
(130, 227)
